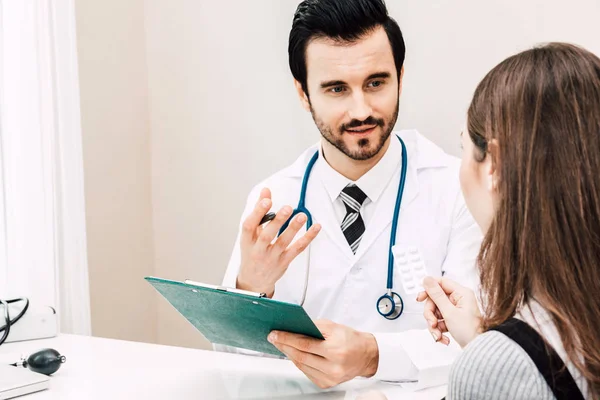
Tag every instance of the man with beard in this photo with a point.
(338, 258)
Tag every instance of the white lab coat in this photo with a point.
(344, 287)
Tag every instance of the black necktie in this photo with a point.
(353, 225)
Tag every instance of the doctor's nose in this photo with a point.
(359, 109)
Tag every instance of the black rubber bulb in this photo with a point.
(45, 361)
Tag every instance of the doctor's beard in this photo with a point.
(365, 149)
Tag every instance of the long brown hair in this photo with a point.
(542, 108)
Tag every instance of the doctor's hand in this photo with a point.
(342, 356)
(450, 307)
(263, 259)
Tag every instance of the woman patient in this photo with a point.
(531, 178)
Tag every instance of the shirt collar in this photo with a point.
(372, 183)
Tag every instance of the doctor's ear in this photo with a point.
(400, 79)
(302, 95)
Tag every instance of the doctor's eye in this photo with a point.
(376, 84)
(337, 89)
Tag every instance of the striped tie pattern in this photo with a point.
(353, 225)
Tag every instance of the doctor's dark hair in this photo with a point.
(537, 115)
(341, 20)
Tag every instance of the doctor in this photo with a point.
(365, 188)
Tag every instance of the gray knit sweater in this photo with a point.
(495, 367)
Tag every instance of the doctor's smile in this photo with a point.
(361, 130)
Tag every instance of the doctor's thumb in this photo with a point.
(437, 294)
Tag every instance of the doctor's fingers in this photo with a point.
(265, 193)
(290, 232)
(317, 377)
(300, 245)
(303, 343)
(252, 221)
(269, 232)
(298, 356)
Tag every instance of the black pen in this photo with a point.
(268, 217)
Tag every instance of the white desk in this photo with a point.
(99, 368)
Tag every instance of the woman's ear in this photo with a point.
(302, 95)
(492, 165)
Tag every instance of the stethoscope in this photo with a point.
(390, 305)
(45, 361)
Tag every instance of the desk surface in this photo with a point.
(98, 368)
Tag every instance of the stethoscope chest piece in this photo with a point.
(390, 305)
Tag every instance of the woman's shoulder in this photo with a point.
(493, 366)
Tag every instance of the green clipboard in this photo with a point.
(234, 317)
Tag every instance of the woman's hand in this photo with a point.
(450, 307)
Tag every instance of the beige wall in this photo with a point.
(116, 149)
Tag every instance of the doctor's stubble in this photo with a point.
(366, 151)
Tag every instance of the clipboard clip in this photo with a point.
(226, 289)
(240, 291)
